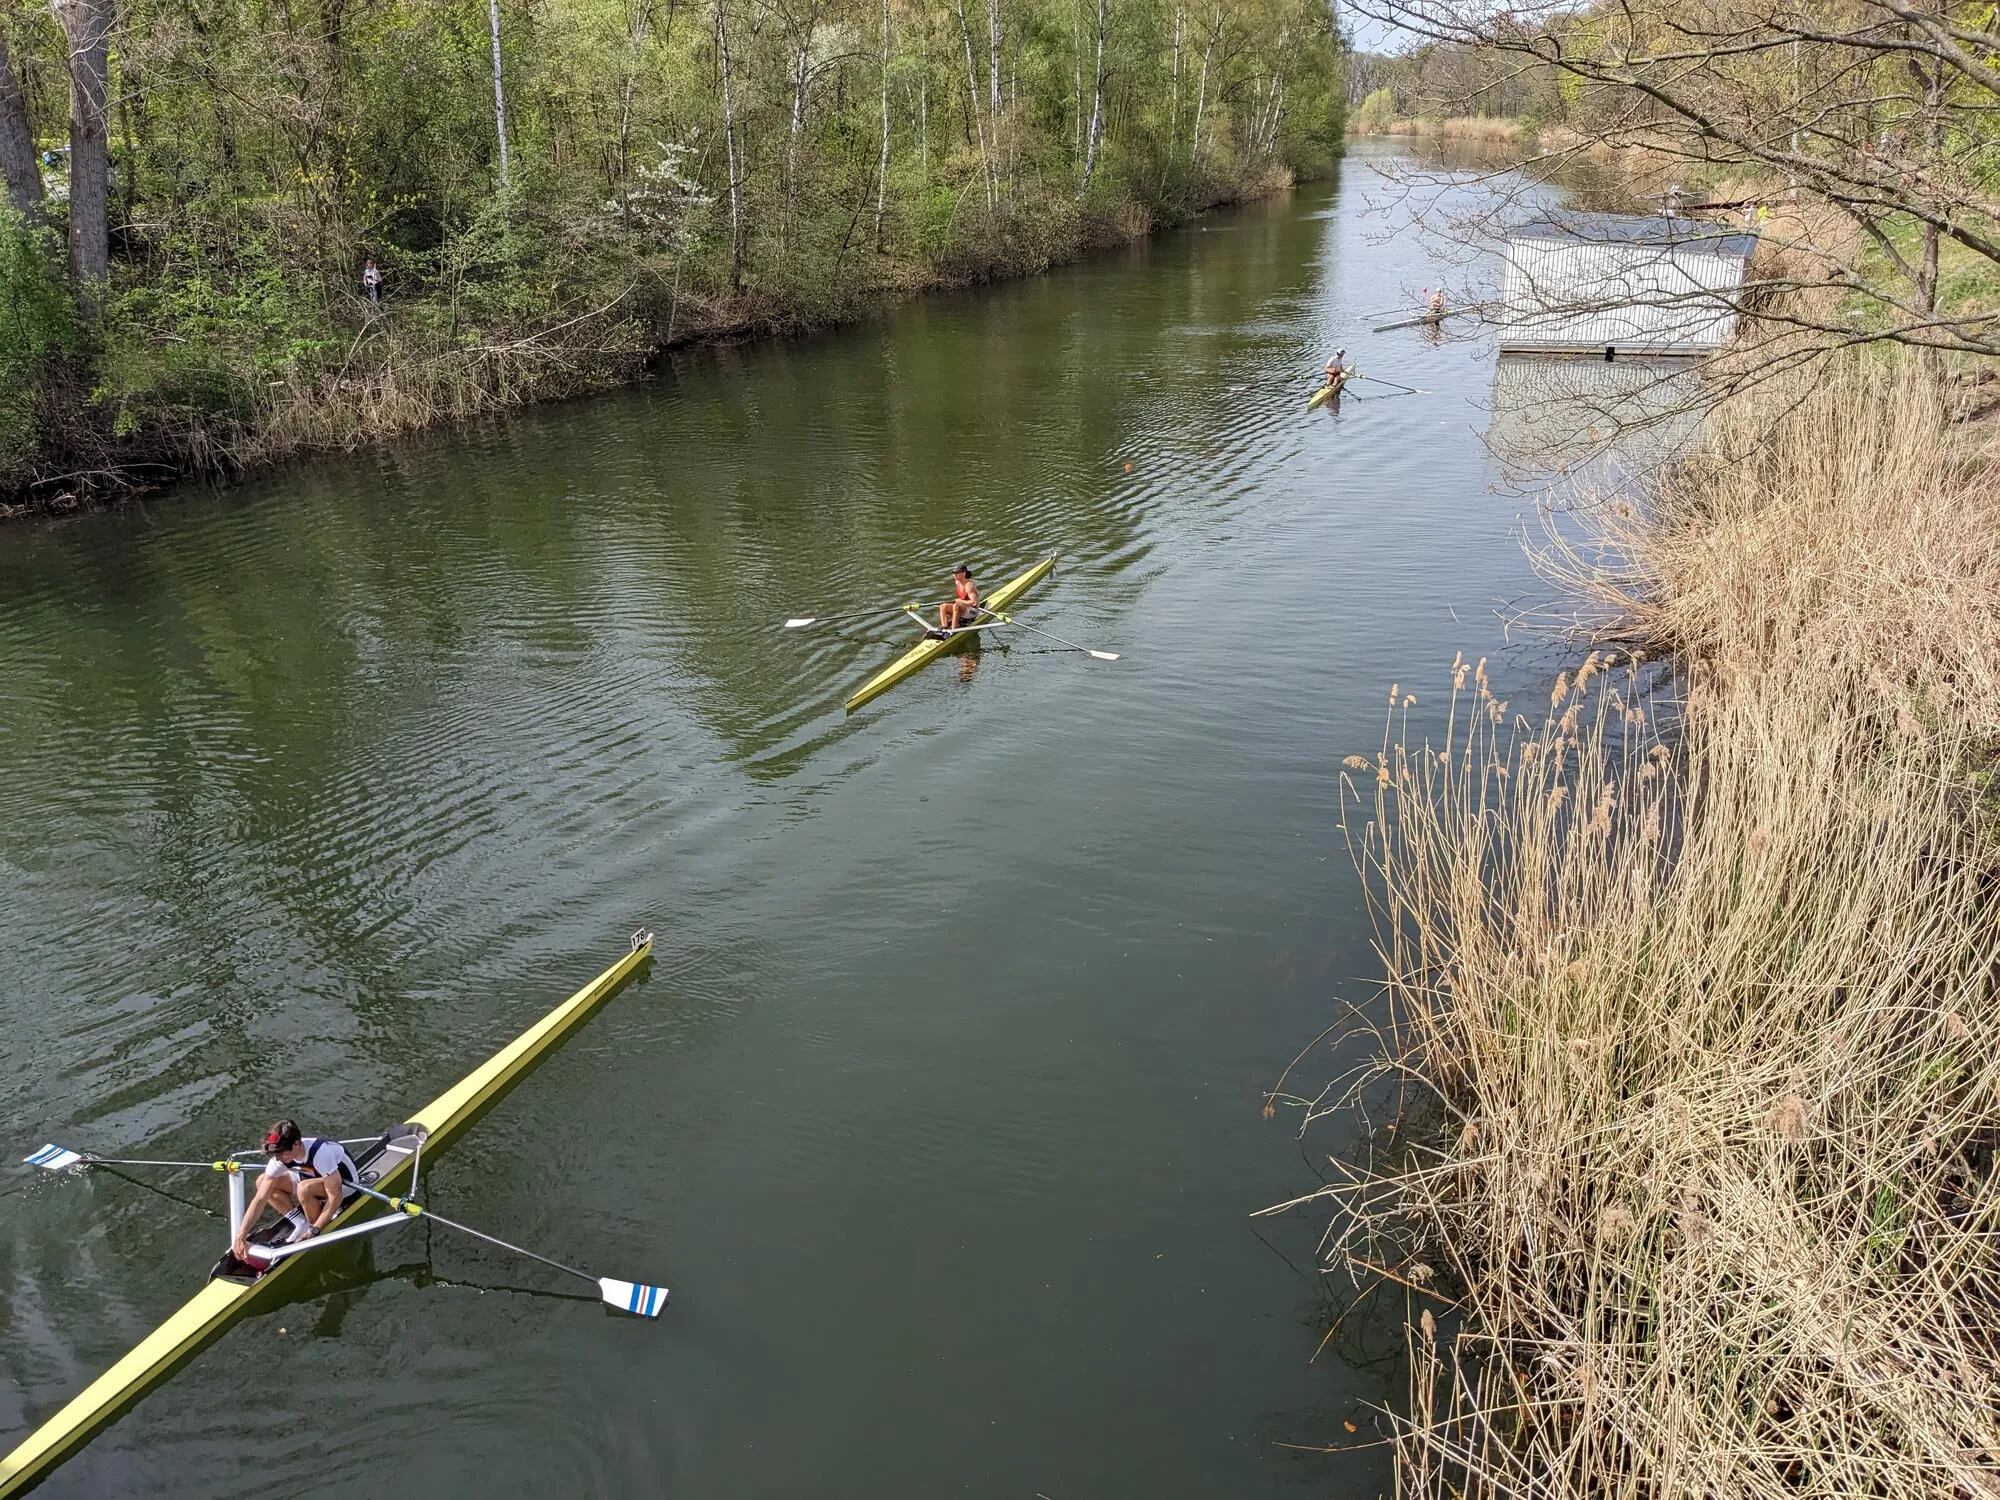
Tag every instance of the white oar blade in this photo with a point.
(54, 1158)
(805, 620)
(629, 1296)
(1105, 655)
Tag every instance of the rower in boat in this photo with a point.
(1434, 306)
(306, 1178)
(962, 608)
(1336, 372)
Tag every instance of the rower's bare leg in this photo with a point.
(319, 1200)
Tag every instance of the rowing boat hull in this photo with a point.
(1324, 394)
(924, 653)
(204, 1316)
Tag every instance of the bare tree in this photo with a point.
(1868, 122)
(17, 142)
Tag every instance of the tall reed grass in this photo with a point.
(1490, 128)
(1700, 1198)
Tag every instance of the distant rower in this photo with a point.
(1434, 308)
(1336, 370)
(309, 1174)
(963, 607)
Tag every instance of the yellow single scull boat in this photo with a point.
(383, 1166)
(927, 651)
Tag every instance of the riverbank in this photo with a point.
(197, 392)
(1692, 968)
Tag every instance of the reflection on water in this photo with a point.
(941, 1110)
(1598, 421)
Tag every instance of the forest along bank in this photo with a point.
(260, 234)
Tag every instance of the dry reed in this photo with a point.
(1706, 1016)
(1489, 128)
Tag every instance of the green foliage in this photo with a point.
(1377, 110)
(267, 154)
(37, 327)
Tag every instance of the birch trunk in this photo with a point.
(800, 74)
(1201, 94)
(882, 165)
(993, 61)
(972, 104)
(729, 141)
(499, 93)
(1096, 110)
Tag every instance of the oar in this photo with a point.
(1406, 389)
(1010, 620)
(53, 1158)
(626, 1296)
(646, 1301)
(799, 622)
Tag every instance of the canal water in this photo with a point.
(941, 1109)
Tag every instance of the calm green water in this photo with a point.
(940, 1111)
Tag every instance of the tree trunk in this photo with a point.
(635, 34)
(972, 103)
(882, 166)
(993, 62)
(1076, 50)
(499, 93)
(729, 139)
(800, 75)
(1096, 110)
(1201, 95)
(86, 26)
(18, 166)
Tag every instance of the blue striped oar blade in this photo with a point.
(631, 1297)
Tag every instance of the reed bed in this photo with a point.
(1692, 1025)
(1490, 128)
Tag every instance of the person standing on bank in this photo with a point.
(308, 1173)
(371, 281)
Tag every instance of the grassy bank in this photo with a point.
(247, 360)
(1690, 975)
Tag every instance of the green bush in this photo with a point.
(1376, 111)
(37, 326)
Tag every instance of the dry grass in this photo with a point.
(1458, 128)
(1707, 1188)
(399, 379)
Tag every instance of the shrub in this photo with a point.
(37, 327)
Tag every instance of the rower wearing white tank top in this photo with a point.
(308, 1173)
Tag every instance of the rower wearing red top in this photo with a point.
(963, 607)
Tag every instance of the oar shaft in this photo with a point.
(419, 1211)
(1086, 650)
(878, 613)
